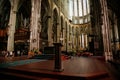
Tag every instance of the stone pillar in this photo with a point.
(11, 25)
(106, 31)
(35, 27)
(58, 65)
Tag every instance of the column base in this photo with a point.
(108, 56)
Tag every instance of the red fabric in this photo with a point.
(64, 57)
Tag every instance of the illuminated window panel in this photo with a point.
(79, 8)
(75, 21)
(86, 41)
(83, 41)
(81, 21)
(80, 41)
(86, 20)
(75, 8)
(84, 7)
(70, 10)
(88, 7)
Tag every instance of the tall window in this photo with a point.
(88, 8)
(80, 7)
(79, 11)
(75, 8)
(84, 7)
(70, 9)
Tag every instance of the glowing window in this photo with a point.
(77, 10)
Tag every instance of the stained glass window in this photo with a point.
(78, 9)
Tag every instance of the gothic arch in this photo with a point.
(22, 27)
(45, 9)
(62, 23)
(62, 27)
(66, 36)
(4, 20)
(4, 13)
(23, 14)
(55, 23)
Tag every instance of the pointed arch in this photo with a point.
(62, 26)
(23, 14)
(45, 10)
(4, 13)
(55, 23)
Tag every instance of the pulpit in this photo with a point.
(58, 64)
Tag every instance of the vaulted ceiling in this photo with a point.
(114, 5)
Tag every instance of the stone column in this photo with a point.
(106, 31)
(35, 27)
(11, 25)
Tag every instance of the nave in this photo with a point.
(88, 30)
